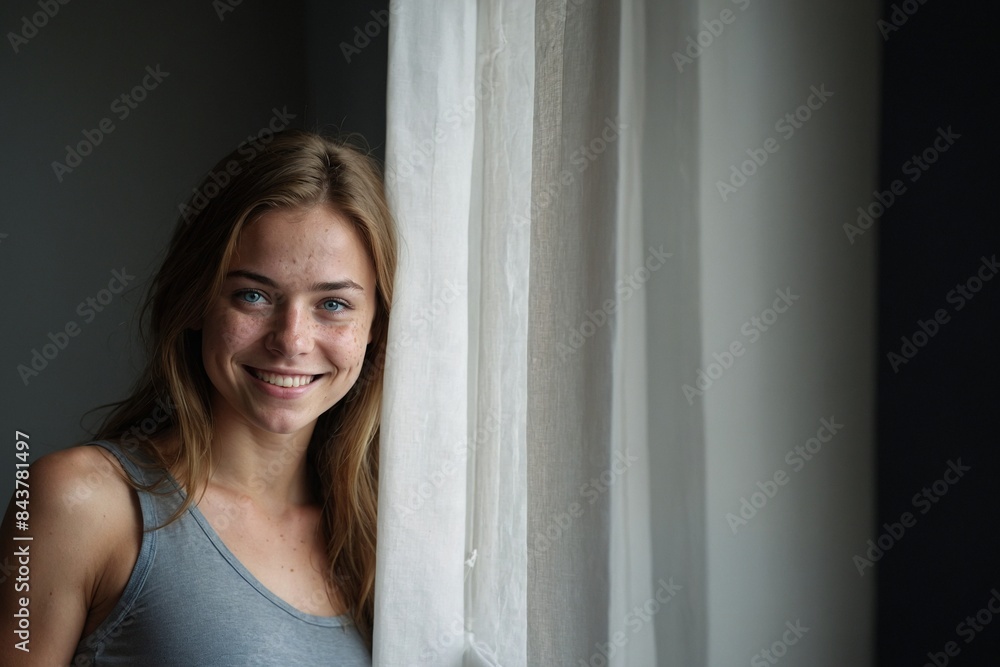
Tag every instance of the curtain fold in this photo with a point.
(459, 181)
(557, 479)
(496, 594)
(570, 345)
(514, 178)
(630, 555)
(674, 326)
(420, 592)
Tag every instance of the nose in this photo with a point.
(291, 333)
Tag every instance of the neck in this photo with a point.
(270, 468)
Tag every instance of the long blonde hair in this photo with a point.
(294, 170)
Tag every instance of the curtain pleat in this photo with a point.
(674, 325)
(632, 581)
(420, 591)
(496, 586)
(551, 493)
(570, 348)
(507, 174)
(453, 570)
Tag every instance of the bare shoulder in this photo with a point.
(80, 483)
(82, 502)
(86, 529)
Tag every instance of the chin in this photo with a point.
(279, 424)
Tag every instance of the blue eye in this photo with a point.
(250, 296)
(333, 306)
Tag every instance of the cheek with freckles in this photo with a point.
(232, 334)
(349, 345)
(235, 336)
(356, 345)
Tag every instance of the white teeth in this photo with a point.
(283, 380)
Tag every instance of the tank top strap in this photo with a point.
(133, 460)
(150, 520)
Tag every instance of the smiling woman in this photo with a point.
(242, 529)
(285, 341)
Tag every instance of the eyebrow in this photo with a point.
(316, 287)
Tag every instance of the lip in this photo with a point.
(275, 390)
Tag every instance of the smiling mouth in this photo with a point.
(282, 380)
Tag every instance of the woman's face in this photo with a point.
(286, 338)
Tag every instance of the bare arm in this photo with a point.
(78, 510)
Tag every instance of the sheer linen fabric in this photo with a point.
(556, 169)
(501, 426)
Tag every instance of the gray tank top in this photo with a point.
(190, 602)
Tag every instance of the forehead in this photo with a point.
(314, 244)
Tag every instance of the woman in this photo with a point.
(227, 514)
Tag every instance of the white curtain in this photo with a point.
(549, 494)
(510, 425)
(452, 559)
(423, 479)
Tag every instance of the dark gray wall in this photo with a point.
(347, 58)
(230, 65)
